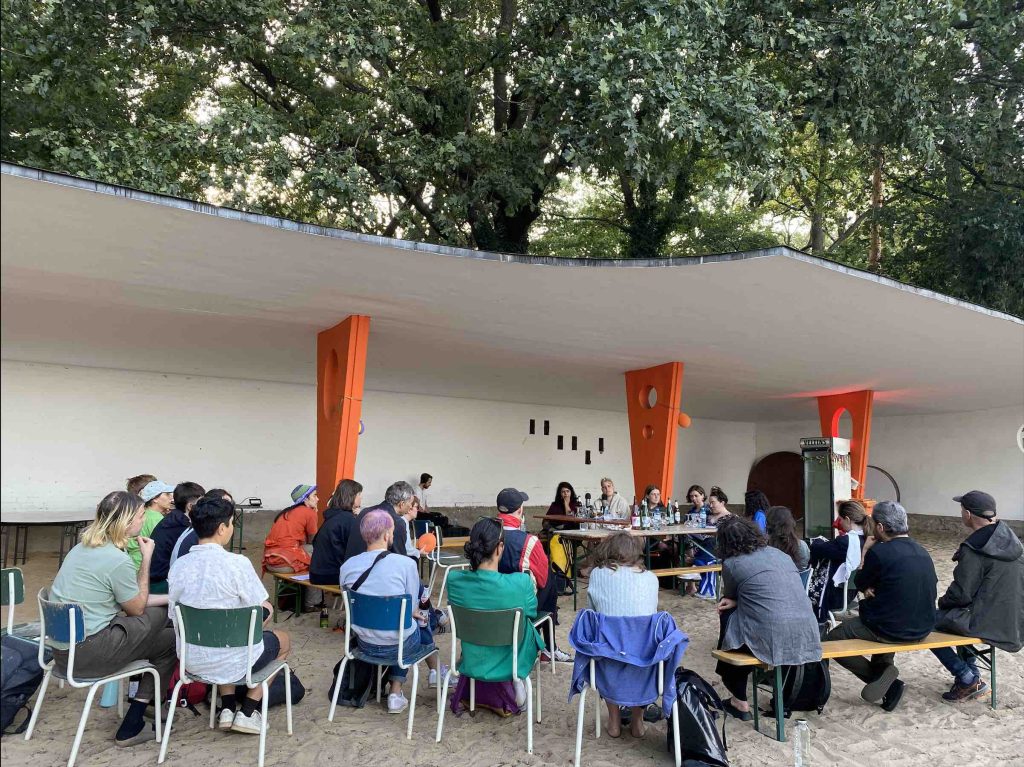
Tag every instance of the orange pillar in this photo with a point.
(858, 405)
(653, 397)
(340, 374)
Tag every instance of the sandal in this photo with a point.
(731, 710)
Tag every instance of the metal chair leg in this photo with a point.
(440, 711)
(412, 703)
(288, 697)
(581, 712)
(170, 721)
(263, 725)
(81, 724)
(38, 706)
(337, 689)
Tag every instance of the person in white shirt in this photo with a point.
(378, 572)
(618, 507)
(211, 577)
(421, 492)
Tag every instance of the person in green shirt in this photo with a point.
(159, 499)
(482, 587)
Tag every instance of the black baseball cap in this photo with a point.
(978, 503)
(510, 500)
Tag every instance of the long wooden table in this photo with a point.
(566, 519)
(579, 537)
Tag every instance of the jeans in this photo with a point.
(381, 654)
(965, 671)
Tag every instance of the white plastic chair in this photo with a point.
(591, 682)
(63, 623)
(491, 628)
(835, 617)
(238, 627)
(381, 614)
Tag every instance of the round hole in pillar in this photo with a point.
(330, 390)
(648, 397)
(648, 432)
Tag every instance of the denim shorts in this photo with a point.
(414, 644)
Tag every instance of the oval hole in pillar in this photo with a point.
(330, 393)
(844, 427)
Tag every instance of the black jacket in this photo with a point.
(330, 544)
(986, 597)
(164, 536)
(356, 544)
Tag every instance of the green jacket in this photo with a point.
(490, 590)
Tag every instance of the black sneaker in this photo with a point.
(960, 693)
(893, 696)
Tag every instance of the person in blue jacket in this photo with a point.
(757, 506)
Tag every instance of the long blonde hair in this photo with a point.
(114, 516)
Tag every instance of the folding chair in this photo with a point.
(238, 627)
(382, 614)
(446, 562)
(12, 592)
(63, 623)
(491, 628)
(835, 617)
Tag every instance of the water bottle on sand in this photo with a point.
(802, 744)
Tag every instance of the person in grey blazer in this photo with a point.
(764, 608)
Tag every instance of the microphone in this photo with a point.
(586, 500)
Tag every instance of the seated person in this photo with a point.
(289, 544)
(619, 585)
(756, 508)
(617, 506)
(188, 538)
(717, 511)
(397, 502)
(523, 553)
(897, 581)
(842, 555)
(158, 499)
(211, 577)
(781, 532)
(763, 609)
(340, 522)
(986, 597)
(566, 504)
(98, 575)
(410, 537)
(483, 587)
(167, 532)
(388, 575)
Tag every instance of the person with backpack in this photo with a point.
(168, 531)
(212, 578)
(986, 597)
(380, 572)
(763, 609)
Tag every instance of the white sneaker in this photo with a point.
(397, 703)
(226, 719)
(434, 678)
(560, 657)
(250, 725)
(520, 691)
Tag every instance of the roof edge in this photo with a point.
(232, 214)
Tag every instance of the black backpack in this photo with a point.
(805, 688)
(359, 683)
(699, 709)
(20, 676)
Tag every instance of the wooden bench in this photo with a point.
(692, 570)
(288, 584)
(847, 648)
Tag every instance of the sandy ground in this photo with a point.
(923, 731)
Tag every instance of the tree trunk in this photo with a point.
(875, 250)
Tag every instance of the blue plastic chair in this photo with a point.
(382, 614)
(62, 625)
(805, 578)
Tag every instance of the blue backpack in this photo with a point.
(20, 677)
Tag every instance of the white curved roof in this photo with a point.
(105, 276)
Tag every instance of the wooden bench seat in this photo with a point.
(694, 570)
(847, 648)
(287, 583)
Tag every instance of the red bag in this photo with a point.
(190, 693)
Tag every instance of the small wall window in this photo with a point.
(600, 444)
(586, 457)
(547, 428)
(533, 426)
(561, 442)
(573, 443)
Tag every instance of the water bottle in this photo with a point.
(703, 516)
(802, 744)
(109, 698)
(634, 521)
(657, 518)
(645, 516)
(678, 516)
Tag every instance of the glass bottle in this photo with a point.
(802, 744)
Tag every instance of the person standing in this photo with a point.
(986, 597)
(897, 581)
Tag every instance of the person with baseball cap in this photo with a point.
(986, 597)
(524, 553)
(288, 546)
(159, 500)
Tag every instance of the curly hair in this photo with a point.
(737, 536)
(619, 549)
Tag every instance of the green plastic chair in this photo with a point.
(237, 627)
(490, 628)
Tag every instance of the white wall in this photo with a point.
(934, 457)
(70, 434)
(714, 453)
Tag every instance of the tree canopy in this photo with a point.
(887, 135)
